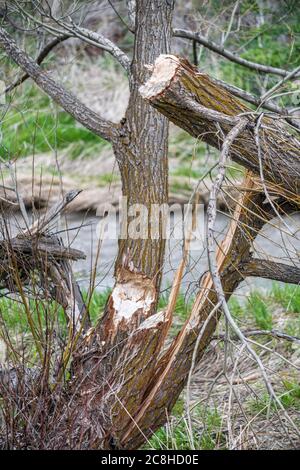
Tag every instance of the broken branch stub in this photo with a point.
(196, 103)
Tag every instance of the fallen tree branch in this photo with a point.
(194, 102)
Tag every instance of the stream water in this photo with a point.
(273, 242)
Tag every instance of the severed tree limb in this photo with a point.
(84, 115)
(195, 36)
(268, 269)
(194, 102)
(249, 98)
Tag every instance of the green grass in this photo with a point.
(35, 125)
(275, 43)
(288, 296)
(259, 308)
(108, 178)
(235, 307)
(97, 304)
(187, 171)
(289, 397)
(180, 186)
(181, 311)
(184, 146)
(13, 314)
(177, 435)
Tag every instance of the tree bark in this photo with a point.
(122, 386)
(193, 101)
(173, 367)
(126, 341)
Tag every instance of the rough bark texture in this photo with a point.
(141, 152)
(122, 386)
(173, 367)
(193, 101)
(121, 353)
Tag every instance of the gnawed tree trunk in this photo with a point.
(173, 367)
(126, 340)
(122, 385)
(193, 101)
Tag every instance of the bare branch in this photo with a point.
(214, 268)
(194, 36)
(42, 55)
(292, 74)
(97, 39)
(90, 37)
(271, 270)
(274, 333)
(87, 117)
(249, 98)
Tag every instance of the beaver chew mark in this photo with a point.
(164, 70)
(130, 297)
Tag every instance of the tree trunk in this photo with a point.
(122, 386)
(125, 343)
(172, 369)
(193, 101)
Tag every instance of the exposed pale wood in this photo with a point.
(193, 101)
(173, 367)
